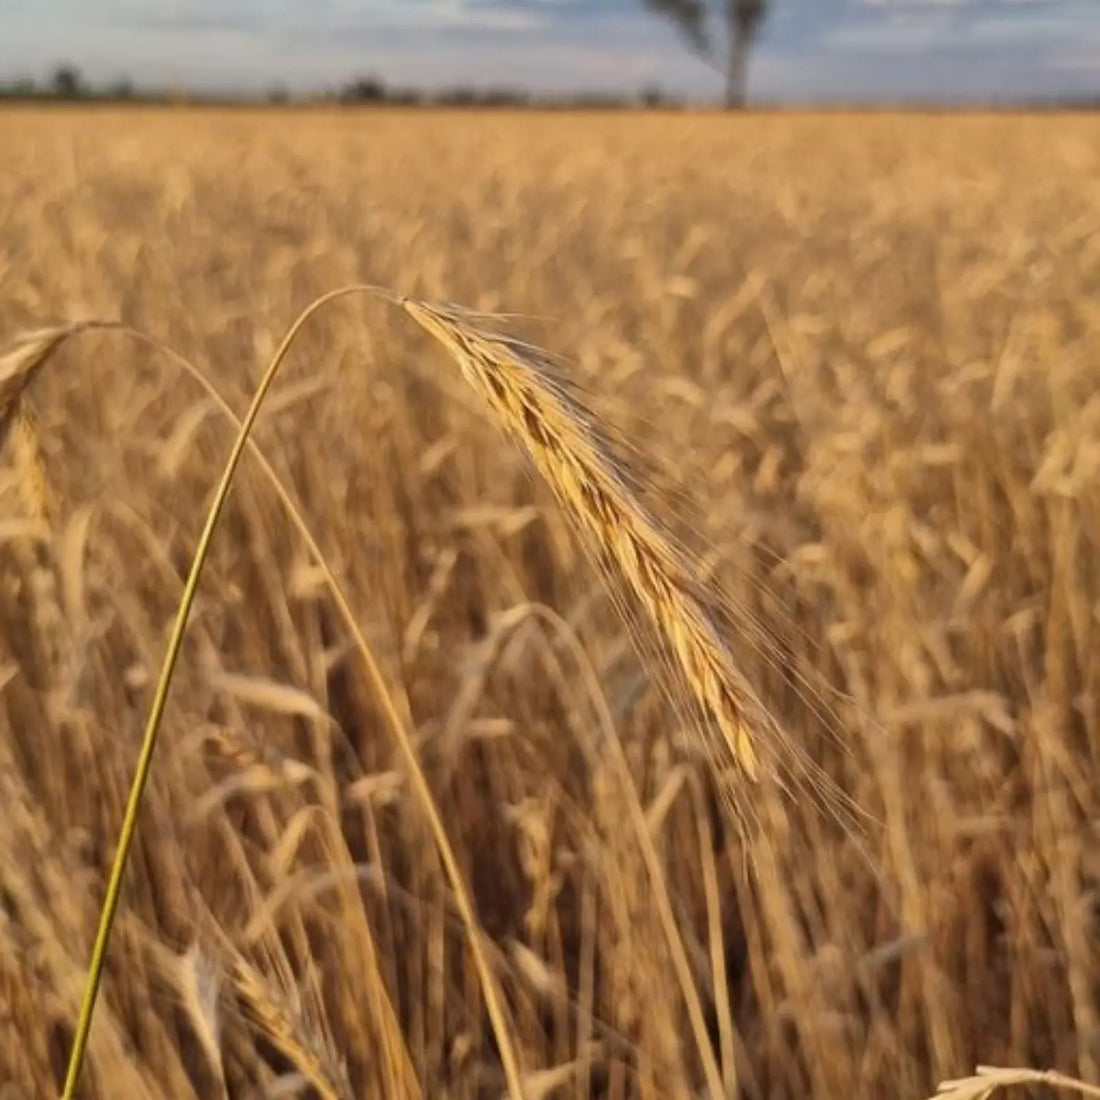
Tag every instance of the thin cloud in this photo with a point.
(329, 17)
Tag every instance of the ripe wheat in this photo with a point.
(535, 402)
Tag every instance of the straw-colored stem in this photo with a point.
(494, 1005)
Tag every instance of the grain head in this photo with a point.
(533, 400)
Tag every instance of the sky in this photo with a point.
(809, 49)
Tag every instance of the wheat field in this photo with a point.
(854, 364)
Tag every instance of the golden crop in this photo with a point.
(847, 369)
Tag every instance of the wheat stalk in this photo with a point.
(538, 406)
(17, 369)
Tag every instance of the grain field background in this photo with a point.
(859, 357)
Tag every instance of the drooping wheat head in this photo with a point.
(542, 410)
(19, 365)
(281, 1016)
(46, 635)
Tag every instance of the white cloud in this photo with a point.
(895, 34)
(324, 16)
(926, 26)
(917, 5)
(496, 18)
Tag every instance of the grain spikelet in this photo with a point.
(537, 405)
(284, 1026)
(21, 363)
(30, 469)
(199, 986)
(46, 636)
(270, 695)
(545, 1083)
(989, 1079)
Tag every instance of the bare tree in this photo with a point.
(67, 82)
(364, 89)
(696, 21)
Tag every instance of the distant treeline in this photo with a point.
(366, 90)
(66, 83)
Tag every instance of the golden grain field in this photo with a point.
(858, 361)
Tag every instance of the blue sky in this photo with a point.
(809, 48)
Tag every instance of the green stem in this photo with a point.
(160, 699)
